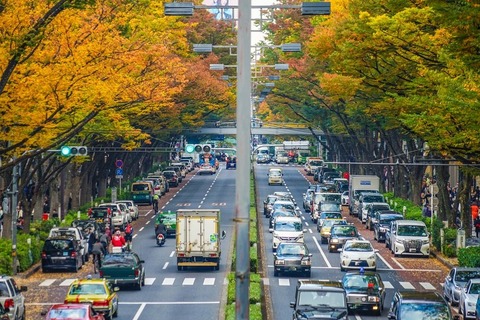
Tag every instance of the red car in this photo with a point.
(73, 311)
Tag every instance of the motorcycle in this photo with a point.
(160, 239)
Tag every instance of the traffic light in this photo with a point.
(71, 151)
(207, 148)
(189, 148)
(202, 148)
(198, 148)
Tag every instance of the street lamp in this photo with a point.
(208, 47)
(315, 8)
(179, 8)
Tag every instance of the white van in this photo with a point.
(287, 229)
(408, 237)
(275, 176)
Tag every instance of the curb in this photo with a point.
(445, 262)
(27, 273)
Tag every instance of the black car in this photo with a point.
(407, 305)
(268, 204)
(373, 210)
(339, 234)
(382, 224)
(172, 177)
(101, 216)
(231, 163)
(292, 257)
(319, 299)
(365, 291)
(61, 253)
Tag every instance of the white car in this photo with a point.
(357, 254)
(345, 198)
(206, 169)
(132, 207)
(119, 216)
(468, 299)
(287, 229)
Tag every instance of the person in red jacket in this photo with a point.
(118, 240)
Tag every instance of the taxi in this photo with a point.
(97, 292)
(325, 228)
(365, 291)
(169, 219)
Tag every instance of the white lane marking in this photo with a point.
(188, 282)
(135, 235)
(141, 229)
(47, 282)
(168, 281)
(358, 317)
(398, 263)
(165, 266)
(172, 254)
(310, 230)
(209, 281)
(388, 285)
(427, 286)
(406, 285)
(149, 281)
(67, 282)
(321, 252)
(384, 261)
(139, 311)
(135, 303)
(306, 223)
(284, 282)
(147, 222)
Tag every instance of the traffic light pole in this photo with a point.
(242, 205)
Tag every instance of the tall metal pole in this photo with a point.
(15, 177)
(242, 205)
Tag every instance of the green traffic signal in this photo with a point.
(189, 148)
(68, 151)
(65, 151)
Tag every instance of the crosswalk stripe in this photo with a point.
(388, 285)
(47, 282)
(168, 281)
(406, 285)
(427, 285)
(284, 282)
(149, 281)
(188, 282)
(67, 282)
(209, 281)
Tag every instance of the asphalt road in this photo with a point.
(412, 273)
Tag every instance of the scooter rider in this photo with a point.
(161, 228)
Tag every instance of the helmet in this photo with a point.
(117, 233)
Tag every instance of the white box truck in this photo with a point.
(359, 183)
(198, 238)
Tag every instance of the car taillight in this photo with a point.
(137, 272)
(103, 303)
(44, 255)
(9, 303)
(74, 254)
(101, 273)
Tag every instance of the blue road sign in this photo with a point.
(119, 172)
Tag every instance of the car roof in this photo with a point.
(71, 306)
(319, 284)
(410, 222)
(289, 218)
(93, 280)
(421, 296)
(359, 241)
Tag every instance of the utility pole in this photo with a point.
(14, 194)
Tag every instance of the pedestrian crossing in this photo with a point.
(148, 282)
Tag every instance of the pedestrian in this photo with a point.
(476, 224)
(474, 209)
(91, 239)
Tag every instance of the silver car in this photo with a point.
(468, 299)
(456, 279)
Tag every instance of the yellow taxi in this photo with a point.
(97, 292)
(326, 227)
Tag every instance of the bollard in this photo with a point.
(460, 239)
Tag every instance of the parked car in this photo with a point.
(101, 216)
(123, 269)
(84, 225)
(468, 299)
(77, 311)
(381, 226)
(76, 234)
(365, 291)
(100, 293)
(456, 279)
(339, 234)
(345, 198)
(372, 211)
(61, 253)
(158, 187)
(408, 305)
(292, 257)
(118, 216)
(172, 177)
(358, 254)
(142, 192)
(408, 237)
(12, 301)
(177, 170)
(132, 208)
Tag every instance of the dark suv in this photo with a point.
(407, 305)
(61, 253)
(12, 301)
(319, 299)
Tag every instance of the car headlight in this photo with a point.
(344, 256)
(334, 241)
(279, 262)
(399, 241)
(373, 299)
(372, 257)
(472, 304)
(306, 262)
(425, 241)
(382, 229)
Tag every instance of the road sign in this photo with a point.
(119, 172)
(119, 163)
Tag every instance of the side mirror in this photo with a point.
(304, 230)
(116, 289)
(224, 234)
(310, 255)
(270, 230)
(142, 261)
(340, 250)
(292, 304)
(43, 313)
(376, 250)
(274, 254)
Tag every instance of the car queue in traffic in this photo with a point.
(356, 238)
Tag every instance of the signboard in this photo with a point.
(296, 145)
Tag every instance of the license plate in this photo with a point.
(413, 250)
(293, 268)
(357, 263)
(65, 254)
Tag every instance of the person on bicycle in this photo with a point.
(118, 240)
(128, 233)
(156, 197)
(98, 251)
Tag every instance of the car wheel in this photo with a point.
(115, 314)
(143, 280)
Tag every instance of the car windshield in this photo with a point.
(58, 245)
(283, 213)
(412, 231)
(63, 233)
(465, 275)
(291, 250)
(288, 226)
(87, 289)
(113, 259)
(99, 213)
(331, 215)
(67, 314)
(275, 174)
(358, 246)
(330, 207)
(474, 288)
(168, 174)
(359, 282)
(373, 198)
(387, 219)
(140, 187)
(424, 311)
(316, 163)
(284, 206)
(331, 222)
(344, 231)
(322, 298)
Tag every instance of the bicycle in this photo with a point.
(155, 206)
